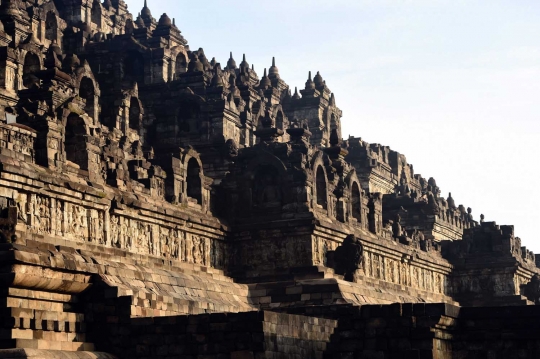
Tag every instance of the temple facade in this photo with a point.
(157, 203)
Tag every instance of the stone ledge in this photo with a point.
(51, 354)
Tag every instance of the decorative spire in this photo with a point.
(139, 21)
(165, 20)
(235, 92)
(318, 80)
(231, 64)
(244, 63)
(451, 202)
(332, 100)
(217, 81)
(195, 65)
(274, 72)
(309, 83)
(265, 81)
(296, 96)
(145, 12)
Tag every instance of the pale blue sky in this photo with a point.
(453, 85)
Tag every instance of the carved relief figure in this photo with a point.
(114, 237)
(131, 234)
(123, 233)
(21, 212)
(59, 218)
(367, 265)
(101, 228)
(160, 246)
(77, 224)
(45, 215)
(143, 239)
(438, 284)
(196, 250)
(174, 244)
(33, 210)
(182, 252)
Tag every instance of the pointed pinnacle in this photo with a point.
(273, 61)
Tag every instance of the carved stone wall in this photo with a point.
(139, 178)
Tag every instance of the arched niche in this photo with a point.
(356, 202)
(95, 16)
(31, 66)
(320, 183)
(75, 141)
(134, 66)
(187, 117)
(51, 26)
(87, 91)
(279, 120)
(181, 64)
(135, 114)
(267, 195)
(333, 122)
(193, 180)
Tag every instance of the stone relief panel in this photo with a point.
(401, 272)
(269, 249)
(49, 216)
(320, 248)
(17, 140)
(76, 226)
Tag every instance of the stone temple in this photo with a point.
(157, 204)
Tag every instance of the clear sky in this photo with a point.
(452, 84)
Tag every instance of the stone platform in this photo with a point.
(51, 354)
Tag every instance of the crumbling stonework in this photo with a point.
(146, 190)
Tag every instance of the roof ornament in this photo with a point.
(318, 80)
(231, 64)
(145, 12)
(273, 71)
(244, 63)
(296, 96)
(309, 83)
(265, 81)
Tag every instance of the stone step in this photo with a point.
(53, 345)
(52, 336)
(40, 315)
(51, 354)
